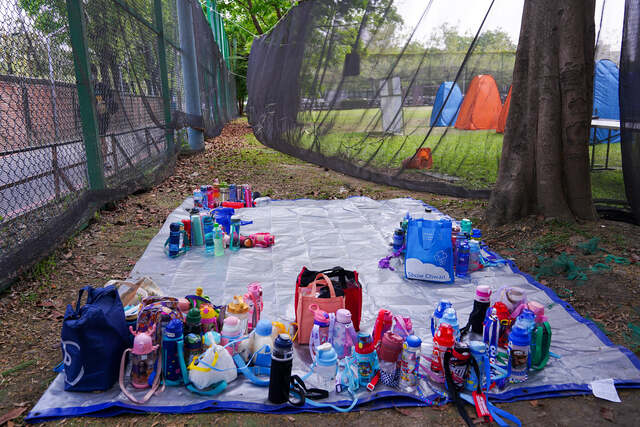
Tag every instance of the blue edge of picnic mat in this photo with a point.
(378, 400)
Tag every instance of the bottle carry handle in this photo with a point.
(154, 386)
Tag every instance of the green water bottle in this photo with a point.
(217, 241)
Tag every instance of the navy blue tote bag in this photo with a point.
(94, 336)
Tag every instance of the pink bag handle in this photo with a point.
(154, 386)
(321, 277)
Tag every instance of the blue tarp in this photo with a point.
(605, 98)
(449, 114)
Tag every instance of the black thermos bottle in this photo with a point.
(281, 362)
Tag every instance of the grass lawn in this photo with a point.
(471, 156)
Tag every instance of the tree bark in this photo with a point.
(544, 168)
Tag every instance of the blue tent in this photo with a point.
(449, 113)
(605, 98)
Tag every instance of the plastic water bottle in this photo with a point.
(344, 334)
(230, 332)
(205, 198)
(481, 303)
(409, 361)
(174, 239)
(280, 375)
(388, 354)
(462, 265)
(197, 199)
(218, 241)
(398, 239)
(442, 341)
(466, 227)
(478, 351)
(234, 233)
(450, 317)
(367, 358)
(207, 227)
(475, 257)
(437, 315)
(326, 367)
(262, 344)
(196, 230)
(170, 362)
(519, 347)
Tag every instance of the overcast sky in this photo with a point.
(505, 14)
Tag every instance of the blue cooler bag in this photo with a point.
(94, 336)
(429, 254)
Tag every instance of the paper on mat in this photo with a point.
(605, 389)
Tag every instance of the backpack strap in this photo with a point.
(453, 390)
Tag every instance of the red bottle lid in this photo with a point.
(444, 336)
(390, 347)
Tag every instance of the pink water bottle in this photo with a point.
(344, 334)
(254, 298)
(320, 333)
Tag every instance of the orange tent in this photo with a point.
(504, 113)
(481, 105)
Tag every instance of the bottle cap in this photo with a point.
(527, 318)
(175, 226)
(235, 218)
(476, 233)
(520, 335)
(365, 343)
(326, 355)
(538, 310)
(449, 317)
(483, 293)
(320, 317)
(465, 226)
(474, 245)
(263, 328)
(399, 232)
(238, 306)
(283, 342)
(173, 328)
(343, 315)
(142, 344)
(444, 335)
(441, 307)
(208, 314)
(193, 316)
(192, 341)
(390, 347)
(231, 325)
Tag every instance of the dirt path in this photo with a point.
(31, 310)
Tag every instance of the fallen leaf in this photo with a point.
(21, 404)
(290, 418)
(607, 414)
(14, 413)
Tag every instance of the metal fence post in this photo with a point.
(190, 70)
(90, 135)
(164, 75)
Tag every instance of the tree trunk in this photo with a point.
(544, 167)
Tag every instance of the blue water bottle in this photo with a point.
(172, 350)
(205, 198)
(462, 265)
(232, 193)
(207, 225)
(174, 239)
(398, 239)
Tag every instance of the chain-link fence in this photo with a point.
(91, 109)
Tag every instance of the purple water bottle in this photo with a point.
(344, 335)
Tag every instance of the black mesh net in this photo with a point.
(44, 186)
(405, 93)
